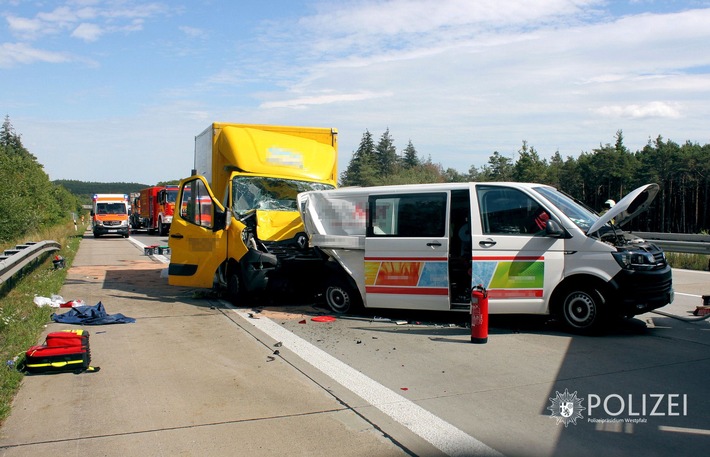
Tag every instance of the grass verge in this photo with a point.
(21, 321)
(699, 262)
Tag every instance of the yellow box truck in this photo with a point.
(236, 225)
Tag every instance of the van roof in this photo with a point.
(403, 188)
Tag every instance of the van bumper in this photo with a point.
(101, 230)
(637, 292)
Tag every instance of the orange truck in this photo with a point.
(153, 209)
(109, 215)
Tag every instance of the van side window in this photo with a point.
(195, 204)
(421, 215)
(508, 211)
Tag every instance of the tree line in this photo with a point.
(29, 201)
(610, 171)
(85, 189)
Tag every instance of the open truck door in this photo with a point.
(198, 236)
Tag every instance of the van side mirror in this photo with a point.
(554, 229)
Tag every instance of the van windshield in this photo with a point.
(111, 208)
(273, 194)
(581, 216)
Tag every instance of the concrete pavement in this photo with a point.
(184, 379)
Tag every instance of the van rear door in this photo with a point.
(406, 251)
(512, 256)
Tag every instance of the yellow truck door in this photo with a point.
(197, 248)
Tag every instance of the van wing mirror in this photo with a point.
(554, 230)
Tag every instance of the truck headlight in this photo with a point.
(635, 260)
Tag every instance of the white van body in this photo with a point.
(534, 249)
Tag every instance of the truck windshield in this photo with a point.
(581, 216)
(272, 194)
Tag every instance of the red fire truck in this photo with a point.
(153, 209)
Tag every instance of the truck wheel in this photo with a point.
(161, 228)
(342, 298)
(582, 310)
(235, 290)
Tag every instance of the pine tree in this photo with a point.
(386, 154)
(529, 167)
(361, 170)
(410, 159)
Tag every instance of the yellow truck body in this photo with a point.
(236, 224)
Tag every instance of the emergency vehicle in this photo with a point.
(109, 215)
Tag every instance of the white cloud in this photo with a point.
(323, 100)
(192, 32)
(647, 110)
(85, 20)
(23, 27)
(460, 78)
(20, 53)
(87, 32)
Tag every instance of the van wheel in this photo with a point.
(341, 297)
(582, 310)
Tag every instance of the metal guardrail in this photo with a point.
(14, 260)
(678, 242)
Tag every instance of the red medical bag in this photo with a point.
(67, 350)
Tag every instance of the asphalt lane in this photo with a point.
(638, 389)
(184, 379)
(285, 383)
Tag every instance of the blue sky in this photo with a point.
(117, 90)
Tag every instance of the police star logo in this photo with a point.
(566, 408)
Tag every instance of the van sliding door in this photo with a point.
(406, 251)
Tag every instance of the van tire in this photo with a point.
(341, 297)
(582, 309)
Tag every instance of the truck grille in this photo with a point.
(291, 249)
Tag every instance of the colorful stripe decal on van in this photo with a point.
(508, 277)
(406, 275)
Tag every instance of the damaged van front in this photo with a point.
(534, 249)
(643, 281)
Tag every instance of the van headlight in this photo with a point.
(635, 260)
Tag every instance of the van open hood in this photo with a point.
(629, 207)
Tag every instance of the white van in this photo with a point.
(535, 249)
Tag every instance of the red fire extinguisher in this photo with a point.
(479, 315)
